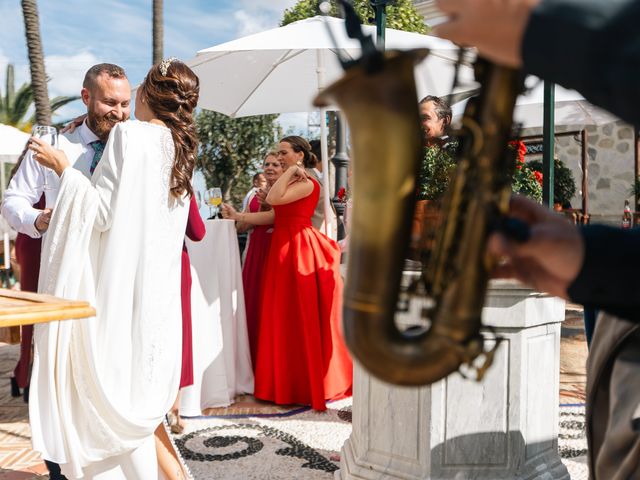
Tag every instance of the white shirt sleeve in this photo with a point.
(24, 190)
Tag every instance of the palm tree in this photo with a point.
(158, 31)
(36, 61)
(15, 105)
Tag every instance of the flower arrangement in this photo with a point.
(525, 180)
(439, 162)
(564, 185)
(435, 170)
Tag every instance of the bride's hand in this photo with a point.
(47, 156)
(73, 124)
(229, 212)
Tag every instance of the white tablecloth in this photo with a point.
(221, 358)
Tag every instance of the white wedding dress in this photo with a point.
(101, 385)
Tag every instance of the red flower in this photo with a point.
(342, 194)
(519, 147)
(538, 176)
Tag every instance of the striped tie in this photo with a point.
(98, 148)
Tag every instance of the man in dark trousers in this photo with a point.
(591, 46)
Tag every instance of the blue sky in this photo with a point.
(79, 33)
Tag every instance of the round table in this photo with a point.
(221, 356)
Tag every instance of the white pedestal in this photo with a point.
(505, 427)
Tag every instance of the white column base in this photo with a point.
(505, 427)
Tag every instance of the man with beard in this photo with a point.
(107, 94)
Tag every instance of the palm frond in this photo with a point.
(61, 101)
(21, 103)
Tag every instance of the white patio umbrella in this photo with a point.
(12, 142)
(283, 69)
(571, 108)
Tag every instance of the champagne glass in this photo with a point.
(207, 200)
(50, 135)
(215, 199)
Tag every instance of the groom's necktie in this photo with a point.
(98, 148)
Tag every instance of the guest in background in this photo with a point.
(28, 258)
(313, 166)
(301, 356)
(195, 232)
(258, 181)
(257, 252)
(435, 118)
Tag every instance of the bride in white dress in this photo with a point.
(101, 385)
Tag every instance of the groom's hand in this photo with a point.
(42, 221)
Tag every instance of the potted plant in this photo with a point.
(435, 172)
(564, 185)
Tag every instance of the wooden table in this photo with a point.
(26, 308)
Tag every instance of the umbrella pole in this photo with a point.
(323, 143)
(324, 150)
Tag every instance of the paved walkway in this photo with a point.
(19, 462)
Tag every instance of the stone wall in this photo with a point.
(610, 166)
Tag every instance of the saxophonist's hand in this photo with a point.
(496, 27)
(552, 257)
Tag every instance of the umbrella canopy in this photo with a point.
(283, 69)
(12, 140)
(571, 108)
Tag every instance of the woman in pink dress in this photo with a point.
(28, 257)
(195, 232)
(259, 242)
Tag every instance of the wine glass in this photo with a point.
(50, 135)
(215, 199)
(207, 200)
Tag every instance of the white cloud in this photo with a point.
(249, 24)
(67, 72)
(255, 17)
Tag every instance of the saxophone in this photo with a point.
(378, 99)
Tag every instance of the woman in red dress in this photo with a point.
(301, 356)
(257, 252)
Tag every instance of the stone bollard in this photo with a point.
(505, 427)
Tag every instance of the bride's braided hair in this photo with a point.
(171, 92)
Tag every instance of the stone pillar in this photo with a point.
(505, 427)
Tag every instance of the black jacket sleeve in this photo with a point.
(592, 46)
(610, 275)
